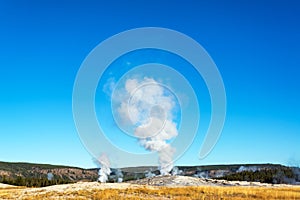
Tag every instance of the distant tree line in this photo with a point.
(32, 182)
(273, 176)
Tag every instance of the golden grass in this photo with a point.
(147, 193)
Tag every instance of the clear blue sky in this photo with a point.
(255, 44)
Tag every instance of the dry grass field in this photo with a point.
(137, 192)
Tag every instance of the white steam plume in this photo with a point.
(119, 175)
(148, 106)
(201, 174)
(176, 171)
(105, 168)
(149, 174)
(50, 176)
(248, 168)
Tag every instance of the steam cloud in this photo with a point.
(119, 175)
(202, 175)
(149, 107)
(176, 171)
(149, 174)
(250, 169)
(105, 168)
(50, 176)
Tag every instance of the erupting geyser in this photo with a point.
(105, 168)
(149, 106)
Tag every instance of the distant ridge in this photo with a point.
(22, 173)
(31, 174)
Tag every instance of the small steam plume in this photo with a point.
(296, 172)
(149, 107)
(249, 169)
(119, 175)
(104, 171)
(176, 171)
(50, 176)
(149, 174)
(201, 173)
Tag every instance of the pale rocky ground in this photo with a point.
(4, 186)
(173, 181)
